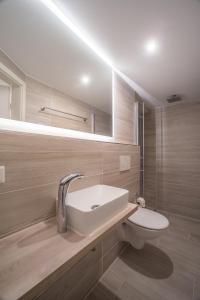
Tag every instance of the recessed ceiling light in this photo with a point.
(85, 80)
(151, 46)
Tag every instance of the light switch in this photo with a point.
(2, 174)
(125, 162)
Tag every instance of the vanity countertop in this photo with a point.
(33, 258)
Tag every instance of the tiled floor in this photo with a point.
(166, 269)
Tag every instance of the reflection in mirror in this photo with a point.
(67, 84)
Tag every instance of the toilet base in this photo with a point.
(137, 243)
(136, 235)
(126, 235)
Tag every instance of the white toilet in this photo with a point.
(143, 225)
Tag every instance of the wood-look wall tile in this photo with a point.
(34, 160)
(12, 141)
(34, 103)
(179, 170)
(120, 179)
(172, 159)
(39, 95)
(124, 111)
(111, 160)
(24, 170)
(86, 182)
(20, 208)
(125, 147)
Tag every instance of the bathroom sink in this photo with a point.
(88, 209)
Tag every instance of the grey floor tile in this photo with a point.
(185, 250)
(185, 224)
(149, 261)
(112, 281)
(102, 293)
(127, 292)
(196, 293)
(195, 237)
(165, 269)
(160, 280)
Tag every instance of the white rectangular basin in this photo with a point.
(88, 209)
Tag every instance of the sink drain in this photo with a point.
(95, 206)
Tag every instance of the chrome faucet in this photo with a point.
(61, 205)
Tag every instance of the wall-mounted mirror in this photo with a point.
(73, 91)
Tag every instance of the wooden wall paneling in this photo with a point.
(103, 123)
(35, 163)
(180, 189)
(39, 95)
(174, 186)
(124, 99)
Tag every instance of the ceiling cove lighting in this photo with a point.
(50, 4)
(151, 46)
(83, 36)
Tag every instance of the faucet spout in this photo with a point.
(61, 203)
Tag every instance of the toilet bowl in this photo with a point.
(142, 226)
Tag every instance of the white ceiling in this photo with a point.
(43, 48)
(40, 45)
(122, 27)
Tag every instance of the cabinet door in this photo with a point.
(76, 282)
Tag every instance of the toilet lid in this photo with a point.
(149, 219)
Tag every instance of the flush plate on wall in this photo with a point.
(125, 163)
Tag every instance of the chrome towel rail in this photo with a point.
(45, 108)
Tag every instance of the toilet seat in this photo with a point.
(149, 219)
